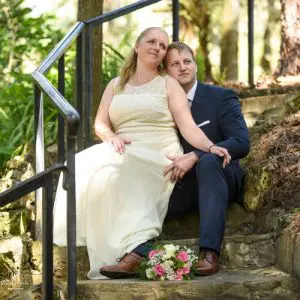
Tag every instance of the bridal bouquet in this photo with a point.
(168, 262)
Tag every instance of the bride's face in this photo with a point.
(152, 48)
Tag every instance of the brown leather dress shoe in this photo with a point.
(125, 268)
(207, 263)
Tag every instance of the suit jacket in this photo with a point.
(226, 127)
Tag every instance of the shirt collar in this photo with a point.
(192, 91)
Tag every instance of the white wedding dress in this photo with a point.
(122, 200)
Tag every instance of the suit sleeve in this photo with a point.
(233, 127)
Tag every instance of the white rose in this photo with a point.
(170, 249)
(149, 273)
(167, 256)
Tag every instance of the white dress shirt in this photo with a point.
(191, 93)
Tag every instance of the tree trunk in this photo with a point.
(88, 9)
(196, 14)
(289, 63)
(265, 61)
(229, 41)
(203, 38)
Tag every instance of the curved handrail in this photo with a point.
(66, 109)
(60, 48)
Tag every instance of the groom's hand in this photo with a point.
(180, 165)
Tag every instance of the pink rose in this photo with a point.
(182, 256)
(186, 270)
(159, 270)
(178, 277)
(152, 253)
(179, 272)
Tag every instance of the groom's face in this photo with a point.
(182, 67)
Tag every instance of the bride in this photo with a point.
(121, 192)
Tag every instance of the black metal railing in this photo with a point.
(78, 134)
(44, 180)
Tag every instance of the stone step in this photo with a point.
(239, 252)
(226, 285)
(23, 257)
(263, 284)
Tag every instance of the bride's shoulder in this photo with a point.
(115, 81)
(171, 82)
(114, 84)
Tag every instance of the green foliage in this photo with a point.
(112, 61)
(200, 66)
(23, 38)
(24, 41)
(113, 58)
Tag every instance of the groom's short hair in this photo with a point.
(179, 46)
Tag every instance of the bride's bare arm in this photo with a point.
(103, 127)
(181, 112)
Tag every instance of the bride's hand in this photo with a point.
(118, 143)
(222, 152)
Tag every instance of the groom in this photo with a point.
(202, 182)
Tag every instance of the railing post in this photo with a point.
(175, 11)
(250, 42)
(87, 118)
(71, 216)
(40, 157)
(79, 91)
(47, 240)
(61, 121)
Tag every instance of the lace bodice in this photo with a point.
(142, 108)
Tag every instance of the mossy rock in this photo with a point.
(14, 222)
(18, 169)
(7, 265)
(288, 248)
(257, 185)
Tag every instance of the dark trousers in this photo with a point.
(208, 187)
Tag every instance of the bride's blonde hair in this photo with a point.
(129, 66)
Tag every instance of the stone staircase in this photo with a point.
(260, 256)
(248, 267)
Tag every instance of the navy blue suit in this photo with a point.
(208, 186)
